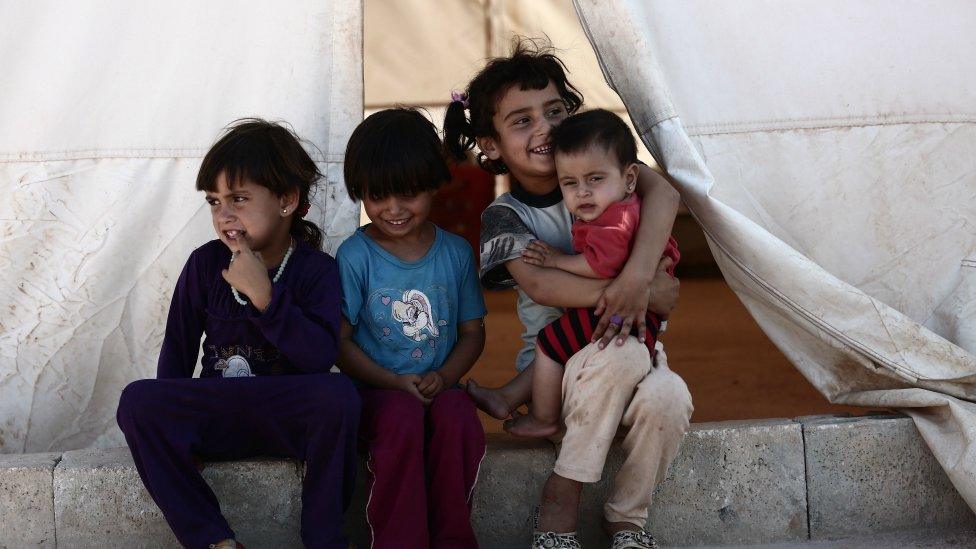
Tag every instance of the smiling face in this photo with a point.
(522, 122)
(251, 211)
(592, 179)
(399, 216)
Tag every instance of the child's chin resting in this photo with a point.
(527, 425)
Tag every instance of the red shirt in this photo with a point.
(606, 241)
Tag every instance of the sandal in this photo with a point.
(556, 540)
(633, 539)
(552, 540)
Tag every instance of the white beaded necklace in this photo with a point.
(281, 269)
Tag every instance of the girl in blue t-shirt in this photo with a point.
(412, 327)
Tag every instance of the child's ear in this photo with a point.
(630, 176)
(489, 147)
(288, 202)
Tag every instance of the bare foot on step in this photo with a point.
(526, 425)
(489, 401)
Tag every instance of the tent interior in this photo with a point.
(731, 367)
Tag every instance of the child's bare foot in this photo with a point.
(489, 401)
(527, 425)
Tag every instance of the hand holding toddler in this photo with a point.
(629, 299)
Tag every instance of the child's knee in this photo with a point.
(336, 393)
(398, 420)
(665, 395)
(137, 397)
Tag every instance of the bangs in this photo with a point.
(238, 160)
(260, 152)
(530, 67)
(600, 128)
(394, 152)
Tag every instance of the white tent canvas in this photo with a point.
(826, 148)
(107, 109)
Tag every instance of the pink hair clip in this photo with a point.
(459, 97)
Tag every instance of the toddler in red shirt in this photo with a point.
(596, 163)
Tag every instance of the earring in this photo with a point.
(284, 211)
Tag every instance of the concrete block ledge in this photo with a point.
(27, 500)
(737, 482)
(875, 474)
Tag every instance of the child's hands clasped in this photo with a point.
(409, 383)
(249, 275)
(542, 254)
(424, 387)
(431, 384)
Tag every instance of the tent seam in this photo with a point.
(781, 124)
(147, 153)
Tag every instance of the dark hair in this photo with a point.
(531, 66)
(597, 127)
(271, 155)
(394, 152)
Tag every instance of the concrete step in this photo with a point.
(739, 482)
(913, 539)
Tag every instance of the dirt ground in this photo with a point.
(731, 367)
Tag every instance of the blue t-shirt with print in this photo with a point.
(405, 313)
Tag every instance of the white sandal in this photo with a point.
(556, 540)
(552, 540)
(633, 539)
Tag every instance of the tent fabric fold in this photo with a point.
(107, 110)
(829, 163)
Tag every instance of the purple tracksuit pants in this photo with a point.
(423, 463)
(312, 417)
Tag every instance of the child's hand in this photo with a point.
(408, 384)
(249, 275)
(625, 302)
(542, 254)
(664, 289)
(431, 384)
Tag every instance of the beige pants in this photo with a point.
(603, 390)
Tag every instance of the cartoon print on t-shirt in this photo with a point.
(411, 322)
(416, 315)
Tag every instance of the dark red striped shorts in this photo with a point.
(571, 332)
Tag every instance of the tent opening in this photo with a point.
(412, 58)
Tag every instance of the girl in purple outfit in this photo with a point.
(266, 300)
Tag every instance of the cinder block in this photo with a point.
(875, 474)
(101, 502)
(509, 484)
(27, 500)
(731, 482)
